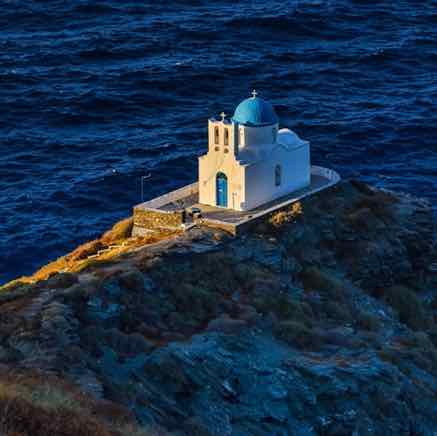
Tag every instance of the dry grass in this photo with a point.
(285, 216)
(41, 406)
(86, 250)
(79, 260)
(119, 232)
(39, 410)
(44, 395)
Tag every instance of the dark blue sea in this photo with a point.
(95, 94)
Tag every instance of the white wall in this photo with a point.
(212, 163)
(254, 136)
(251, 183)
(221, 158)
(228, 126)
(260, 177)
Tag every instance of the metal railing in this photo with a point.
(193, 188)
(171, 197)
(327, 173)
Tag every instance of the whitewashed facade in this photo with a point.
(250, 161)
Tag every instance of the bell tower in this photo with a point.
(222, 136)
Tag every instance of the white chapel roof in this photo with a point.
(289, 139)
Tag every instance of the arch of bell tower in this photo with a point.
(222, 136)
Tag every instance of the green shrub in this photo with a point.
(243, 272)
(283, 306)
(12, 292)
(418, 340)
(298, 334)
(212, 271)
(362, 219)
(362, 187)
(313, 278)
(432, 333)
(420, 350)
(391, 355)
(132, 280)
(337, 310)
(62, 280)
(259, 280)
(411, 310)
(193, 301)
(380, 203)
(367, 321)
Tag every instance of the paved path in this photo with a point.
(232, 220)
(235, 217)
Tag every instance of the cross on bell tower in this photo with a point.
(223, 115)
(254, 93)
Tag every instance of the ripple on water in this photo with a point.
(94, 95)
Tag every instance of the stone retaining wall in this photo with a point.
(244, 226)
(146, 220)
(148, 217)
(215, 224)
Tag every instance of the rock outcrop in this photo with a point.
(321, 321)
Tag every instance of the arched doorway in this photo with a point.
(221, 190)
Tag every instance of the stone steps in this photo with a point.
(109, 248)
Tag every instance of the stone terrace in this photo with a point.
(167, 211)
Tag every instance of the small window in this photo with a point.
(278, 175)
(275, 132)
(217, 148)
(226, 136)
(216, 135)
(241, 136)
(226, 150)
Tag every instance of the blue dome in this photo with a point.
(255, 111)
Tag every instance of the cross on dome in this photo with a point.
(250, 163)
(255, 111)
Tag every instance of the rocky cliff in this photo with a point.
(320, 321)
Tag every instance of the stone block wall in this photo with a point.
(152, 220)
(221, 225)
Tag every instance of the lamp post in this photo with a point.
(142, 185)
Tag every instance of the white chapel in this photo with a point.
(250, 160)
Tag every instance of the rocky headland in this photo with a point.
(319, 321)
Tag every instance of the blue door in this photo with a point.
(222, 190)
